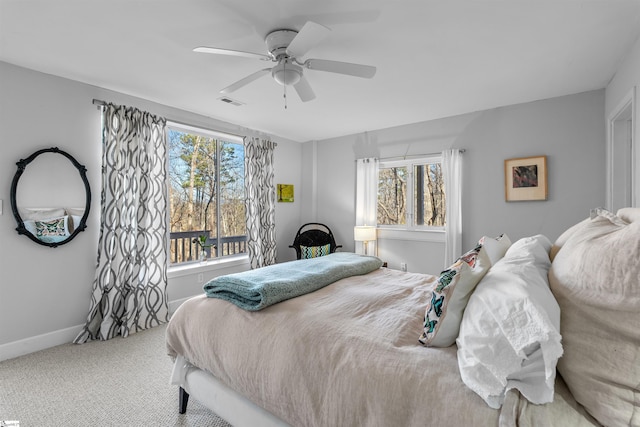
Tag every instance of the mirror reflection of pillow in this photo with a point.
(76, 215)
(30, 226)
(52, 230)
(40, 214)
(53, 239)
(52, 227)
(75, 222)
(75, 211)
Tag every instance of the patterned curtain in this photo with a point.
(452, 171)
(129, 290)
(260, 201)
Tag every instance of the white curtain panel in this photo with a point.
(367, 198)
(129, 290)
(452, 170)
(260, 201)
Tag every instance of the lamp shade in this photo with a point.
(364, 233)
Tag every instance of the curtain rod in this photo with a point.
(100, 103)
(416, 156)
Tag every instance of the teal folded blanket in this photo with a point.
(256, 289)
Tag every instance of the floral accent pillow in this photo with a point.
(450, 296)
(314, 251)
(52, 227)
(52, 230)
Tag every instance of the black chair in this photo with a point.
(314, 234)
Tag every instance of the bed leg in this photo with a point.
(183, 399)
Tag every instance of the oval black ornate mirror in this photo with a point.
(61, 220)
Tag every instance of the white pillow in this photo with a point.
(629, 214)
(599, 216)
(496, 246)
(40, 214)
(566, 235)
(75, 211)
(76, 215)
(509, 336)
(603, 213)
(30, 226)
(449, 298)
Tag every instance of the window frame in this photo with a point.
(391, 230)
(218, 262)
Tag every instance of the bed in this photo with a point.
(503, 337)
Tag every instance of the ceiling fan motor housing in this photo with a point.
(286, 72)
(278, 41)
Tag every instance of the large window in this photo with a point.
(206, 192)
(411, 194)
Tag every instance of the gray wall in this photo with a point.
(569, 130)
(45, 292)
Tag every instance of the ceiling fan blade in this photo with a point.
(243, 82)
(304, 90)
(218, 51)
(309, 36)
(357, 70)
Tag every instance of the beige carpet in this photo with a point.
(120, 382)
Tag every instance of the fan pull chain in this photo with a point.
(285, 96)
(284, 69)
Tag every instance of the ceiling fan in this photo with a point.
(286, 47)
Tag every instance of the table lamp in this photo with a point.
(366, 234)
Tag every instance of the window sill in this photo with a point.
(210, 265)
(413, 235)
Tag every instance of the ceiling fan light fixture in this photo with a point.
(286, 73)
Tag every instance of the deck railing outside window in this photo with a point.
(183, 249)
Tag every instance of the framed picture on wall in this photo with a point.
(285, 193)
(525, 178)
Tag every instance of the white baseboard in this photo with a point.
(55, 338)
(39, 342)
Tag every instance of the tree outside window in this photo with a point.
(411, 194)
(206, 193)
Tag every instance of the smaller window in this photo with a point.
(411, 194)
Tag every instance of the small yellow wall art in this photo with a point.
(285, 193)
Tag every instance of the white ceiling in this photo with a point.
(434, 58)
